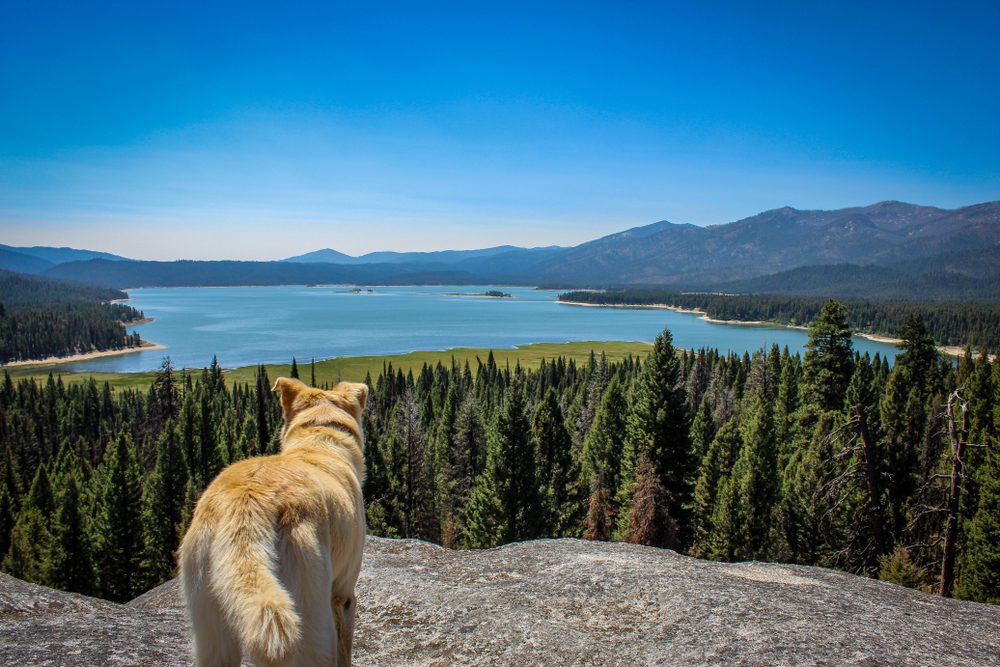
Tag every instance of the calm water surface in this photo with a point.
(250, 325)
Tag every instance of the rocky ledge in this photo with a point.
(551, 602)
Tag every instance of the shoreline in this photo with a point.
(146, 346)
(686, 311)
(949, 350)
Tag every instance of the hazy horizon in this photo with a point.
(443, 248)
(251, 131)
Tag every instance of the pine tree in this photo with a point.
(861, 389)
(828, 363)
(599, 524)
(188, 426)
(785, 406)
(919, 359)
(702, 429)
(211, 451)
(716, 466)
(29, 546)
(983, 394)
(118, 522)
(445, 506)
(902, 418)
(41, 496)
(267, 441)
(11, 473)
(557, 473)
(70, 564)
(899, 568)
(980, 574)
(602, 449)
(30, 537)
(505, 505)
(649, 522)
(164, 396)
(724, 539)
(163, 502)
(468, 455)
(755, 482)
(7, 517)
(658, 427)
(294, 372)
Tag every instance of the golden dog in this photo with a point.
(270, 561)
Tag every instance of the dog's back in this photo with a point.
(269, 563)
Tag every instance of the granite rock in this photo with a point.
(551, 602)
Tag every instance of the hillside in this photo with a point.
(440, 257)
(37, 259)
(552, 602)
(777, 240)
(888, 250)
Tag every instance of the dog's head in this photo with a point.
(297, 397)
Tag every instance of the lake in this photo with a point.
(251, 325)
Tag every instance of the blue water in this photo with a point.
(251, 325)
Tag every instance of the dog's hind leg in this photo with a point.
(214, 644)
(306, 573)
(344, 610)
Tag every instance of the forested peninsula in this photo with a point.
(950, 323)
(40, 318)
(830, 459)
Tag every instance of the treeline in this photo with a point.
(832, 459)
(41, 318)
(963, 275)
(975, 323)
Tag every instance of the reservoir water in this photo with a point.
(251, 325)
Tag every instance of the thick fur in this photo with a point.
(270, 561)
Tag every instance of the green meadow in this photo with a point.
(330, 371)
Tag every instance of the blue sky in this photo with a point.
(261, 130)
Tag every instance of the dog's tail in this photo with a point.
(243, 574)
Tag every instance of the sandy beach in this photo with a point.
(145, 347)
(678, 309)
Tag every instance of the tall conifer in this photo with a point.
(505, 505)
(118, 522)
(70, 564)
(828, 363)
(658, 427)
(163, 501)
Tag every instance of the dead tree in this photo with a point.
(957, 434)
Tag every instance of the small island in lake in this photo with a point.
(493, 294)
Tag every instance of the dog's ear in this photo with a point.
(356, 392)
(289, 390)
(361, 393)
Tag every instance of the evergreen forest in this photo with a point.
(831, 458)
(40, 317)
(970, 322)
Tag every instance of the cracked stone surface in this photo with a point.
(551, 602)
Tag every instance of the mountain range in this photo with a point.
(891, 247)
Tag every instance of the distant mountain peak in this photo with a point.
(328, 255)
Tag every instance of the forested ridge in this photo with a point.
(832, 459)
(975, 323)
(40, 317)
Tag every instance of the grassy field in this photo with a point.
(355, 368)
